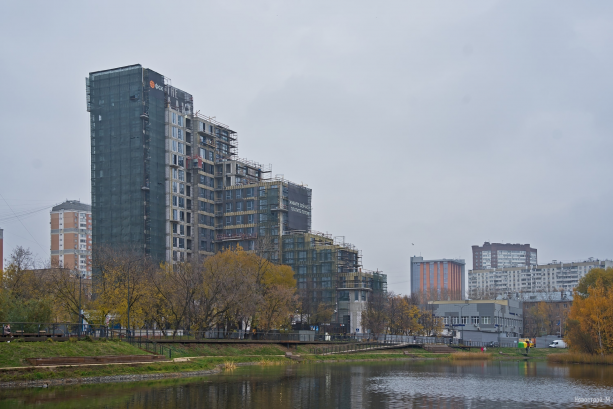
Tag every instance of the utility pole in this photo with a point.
(128, 328)
(80, 305)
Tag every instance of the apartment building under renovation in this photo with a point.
(167, 179)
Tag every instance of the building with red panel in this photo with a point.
(438, 279)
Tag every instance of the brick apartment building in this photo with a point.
(71, 236)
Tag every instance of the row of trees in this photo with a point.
(388, 313)
(232, 289)
(589, 326)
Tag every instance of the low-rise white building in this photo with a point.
(555, 276)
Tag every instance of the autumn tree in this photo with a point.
(590, 322)
(376, 315)
(174, 290)
(23, 295)
(121, 284)
(70, 292)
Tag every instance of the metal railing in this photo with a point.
(55, 329)
(354, 347)
(151, 346)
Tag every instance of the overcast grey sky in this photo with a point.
(443, 124)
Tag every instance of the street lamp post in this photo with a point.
(80, 305)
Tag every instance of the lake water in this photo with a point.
(347, 385)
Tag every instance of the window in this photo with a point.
(228, 194)
(486, 320)
(180, 120)
(174, 132)
(228, 220)
(174, 117)
(262, 191)
(228, 207)
(464, 320)
(455, 320)
(250, 205)
(239, 193)
(239, 206)
(249, 192)
(475, 320)
(182, 188)
(174, 146)
(175, 201)
(181, 148)
(446, 320)
(239, 219)
(250, 219)
(180, 134)
(182, 175)
(182, 202)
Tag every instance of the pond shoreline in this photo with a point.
(45, 383)
(196, 369)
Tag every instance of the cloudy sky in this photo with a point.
(422, 127)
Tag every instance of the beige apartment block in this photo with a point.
(71, 236)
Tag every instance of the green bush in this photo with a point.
(87, 338)
(50, 340)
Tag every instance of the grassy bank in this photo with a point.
(193, 350)
(470, 356)
(14, 353)
(580, 358)
(205, 363)
(538, 354)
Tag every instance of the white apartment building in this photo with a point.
(555, 276)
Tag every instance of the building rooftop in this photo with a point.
(72, 205)
(421, 259)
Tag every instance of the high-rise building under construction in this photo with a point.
(169, 180)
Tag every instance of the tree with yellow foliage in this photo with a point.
(590, 322)
(121, 285)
